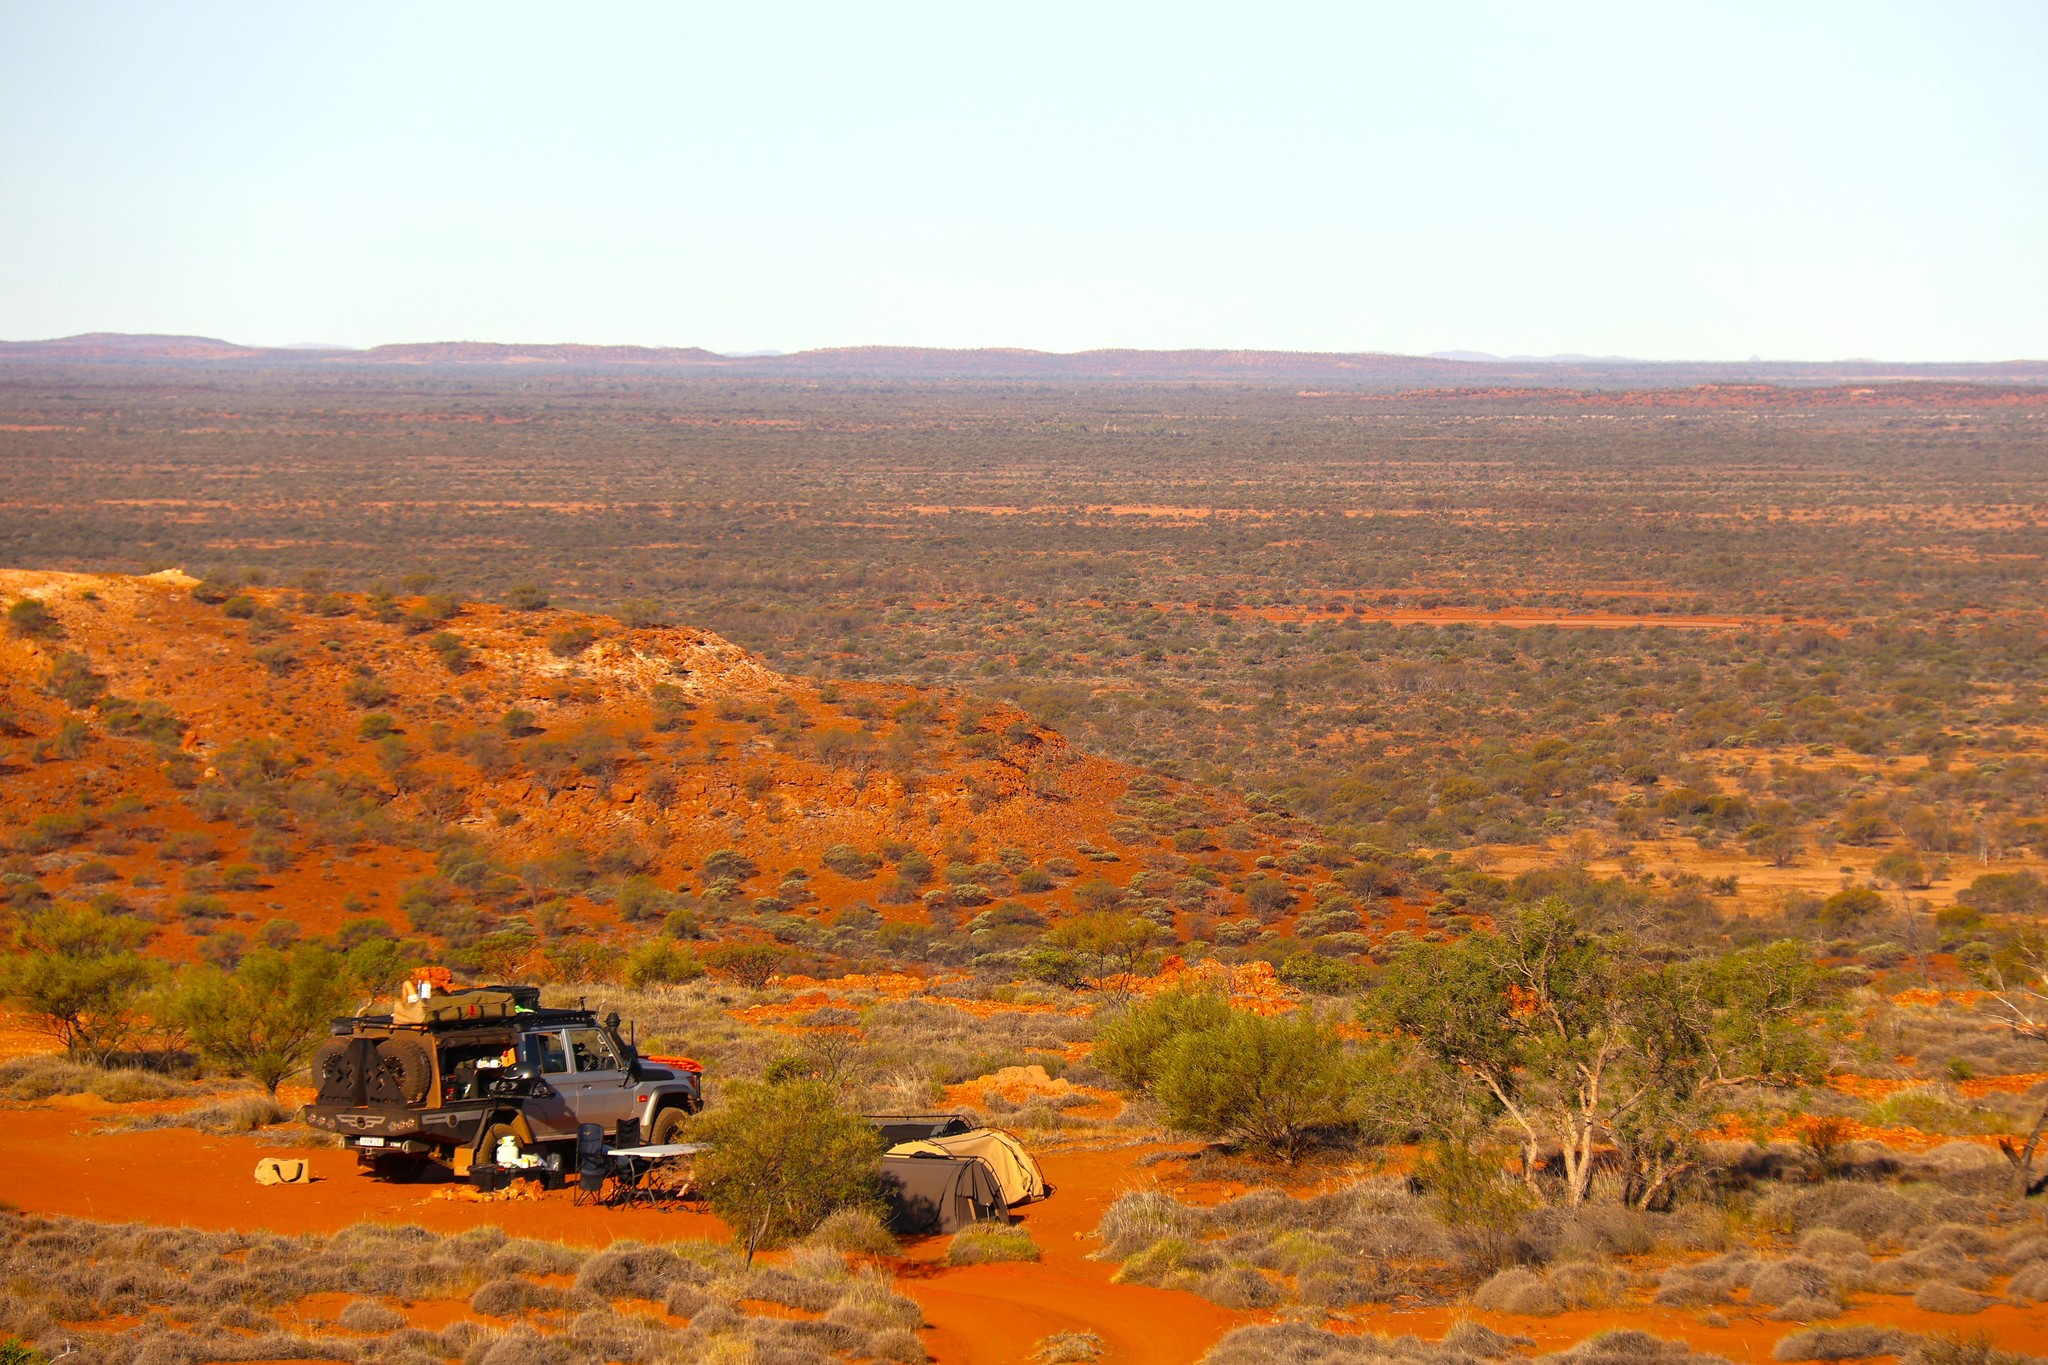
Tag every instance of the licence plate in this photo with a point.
(369, 1142)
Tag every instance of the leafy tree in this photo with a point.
(1112, 949)
(1265, 1081)
(783, 1159)
(266, 1016)
(1579, 1040)
(76, 973)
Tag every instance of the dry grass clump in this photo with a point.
(39, 1076)
(231, 1114)
(1842, 1343)
(200, 1296)
(1939, 1296)
(1800, 1290)
(1465, 1344)
(1630, 1347)
(991, 1242)
(1373, 1241)
(1068, 1348)
(1520, 1291)
(368, 1315)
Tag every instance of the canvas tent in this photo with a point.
(930, 1194)
(897, 1128)
(1016, 1173)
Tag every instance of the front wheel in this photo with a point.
(668, 1127)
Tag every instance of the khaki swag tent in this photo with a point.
(940, 1193)
(1017, 1175)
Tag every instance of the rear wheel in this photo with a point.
(400, 1168)
(487, 1149)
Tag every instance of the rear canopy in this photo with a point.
(930, 1194)
(1016, 1173)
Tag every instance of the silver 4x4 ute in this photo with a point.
(465, 1070)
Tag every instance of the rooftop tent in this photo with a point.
(929, 1194)
(1015, 1171)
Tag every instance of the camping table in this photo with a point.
(631, 1167)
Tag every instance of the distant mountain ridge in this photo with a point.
(1368, 370)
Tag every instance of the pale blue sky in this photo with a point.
(1797, 181)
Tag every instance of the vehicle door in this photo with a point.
(555, 1115)
(599, 1090)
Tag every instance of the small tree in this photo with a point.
(750, 964)
(1112, 948)
(783, 1159)
(77, 975)
(266, 1016)
(1268, 1082)
(1129, 1046)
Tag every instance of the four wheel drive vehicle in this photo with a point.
(464, 1070)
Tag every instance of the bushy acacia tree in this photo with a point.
(267, 1015)
(75, 971)
(783, 1159)
(1580, 1039)
(1221, 1072)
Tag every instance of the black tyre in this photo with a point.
(334, 1070)
(668, 1127)
(399, 1168)
(409, 1062)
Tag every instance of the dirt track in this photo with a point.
(53, 1160)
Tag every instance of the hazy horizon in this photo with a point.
(1808, 184)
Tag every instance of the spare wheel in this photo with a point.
(334, 1067)
(409, 1062)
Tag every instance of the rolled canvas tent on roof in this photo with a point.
(940, 1193)
(1015, 1171)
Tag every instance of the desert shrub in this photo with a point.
(750, 964)
(1842, 1343)
(1130, 1046)
(661, 962)
(991, 1242)
(512, 1295)
(1976, 1349)
(1781, 1282)
(2030, 1285)
(232, 1114)
(1705, 1283)
(783, 1159)
(1631, 1347)
(1470, 1338)
(1521, 1291)
(632, 1270)
(368, 1315)
(1939, 1296)
(77, 975)
(1268, 1082)
(855, 1230)
(1068, 1348)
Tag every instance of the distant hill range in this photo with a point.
(1366, 370)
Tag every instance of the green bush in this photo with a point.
(1131, 1046)
(984, 1242)
(661, 962)
(783, 1159)
(1265, 1082)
